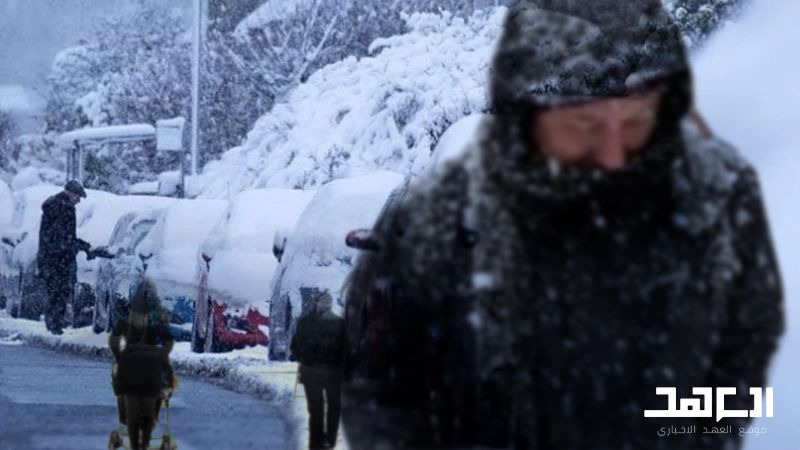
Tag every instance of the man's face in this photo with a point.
(602, 133)
(73, 198)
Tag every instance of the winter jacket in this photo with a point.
(58, 243)
(520, 305)
(143, 365)
(319, 341)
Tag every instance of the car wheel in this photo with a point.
(198, 343)
(83, 301)
(211, 341)
(33, 299)
(100, 312)
(118, 308)
(13, 307)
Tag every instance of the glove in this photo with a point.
(100, 252)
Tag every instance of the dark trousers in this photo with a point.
(140, 412)
(323, 395)
(59, 292)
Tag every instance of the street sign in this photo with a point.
(169, 134)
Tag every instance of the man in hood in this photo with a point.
(591, 247)
(319, 345)
(58, 246)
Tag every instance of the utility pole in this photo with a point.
(199, 31)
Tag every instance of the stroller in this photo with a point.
(117, 439)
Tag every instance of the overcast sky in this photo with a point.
(32, 32)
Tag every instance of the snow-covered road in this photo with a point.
(51, 400)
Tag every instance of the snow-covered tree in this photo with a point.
(129, 69)
(699, 18)
(382, 111)
(286, 41)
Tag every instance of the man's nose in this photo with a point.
(610, 151)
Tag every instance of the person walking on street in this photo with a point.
(58, 247)
(319, 346)
(143, 367)
(590, 246)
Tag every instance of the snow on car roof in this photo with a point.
(316, 254)
(175, 240)
(100, 213)
(240, 245)
(456, 139)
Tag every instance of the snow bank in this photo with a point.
(747, 88)
(385, 111)
(240, 245)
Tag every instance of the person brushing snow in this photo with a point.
(58, 247)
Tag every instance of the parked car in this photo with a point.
(169, 255)
(367, 311)
(20, 242)
(236, 265)
(6, 240)
(118, 277)
(315, 258)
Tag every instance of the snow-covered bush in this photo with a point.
(384, 111)
(697, 19)
(287, 40)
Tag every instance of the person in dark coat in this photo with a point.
(142, 364)
(319, 346)
(58, 246)
(591, 246)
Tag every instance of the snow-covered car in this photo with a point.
(20, 242)
(315, 258)
(117, 277)
(96, 217)
(236, 265)
(171, 250)
(6, 241)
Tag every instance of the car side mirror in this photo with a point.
(279, 243)
(362, 239)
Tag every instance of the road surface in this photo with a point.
(51, 400)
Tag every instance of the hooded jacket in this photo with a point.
(527, 305)
(142, 363)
